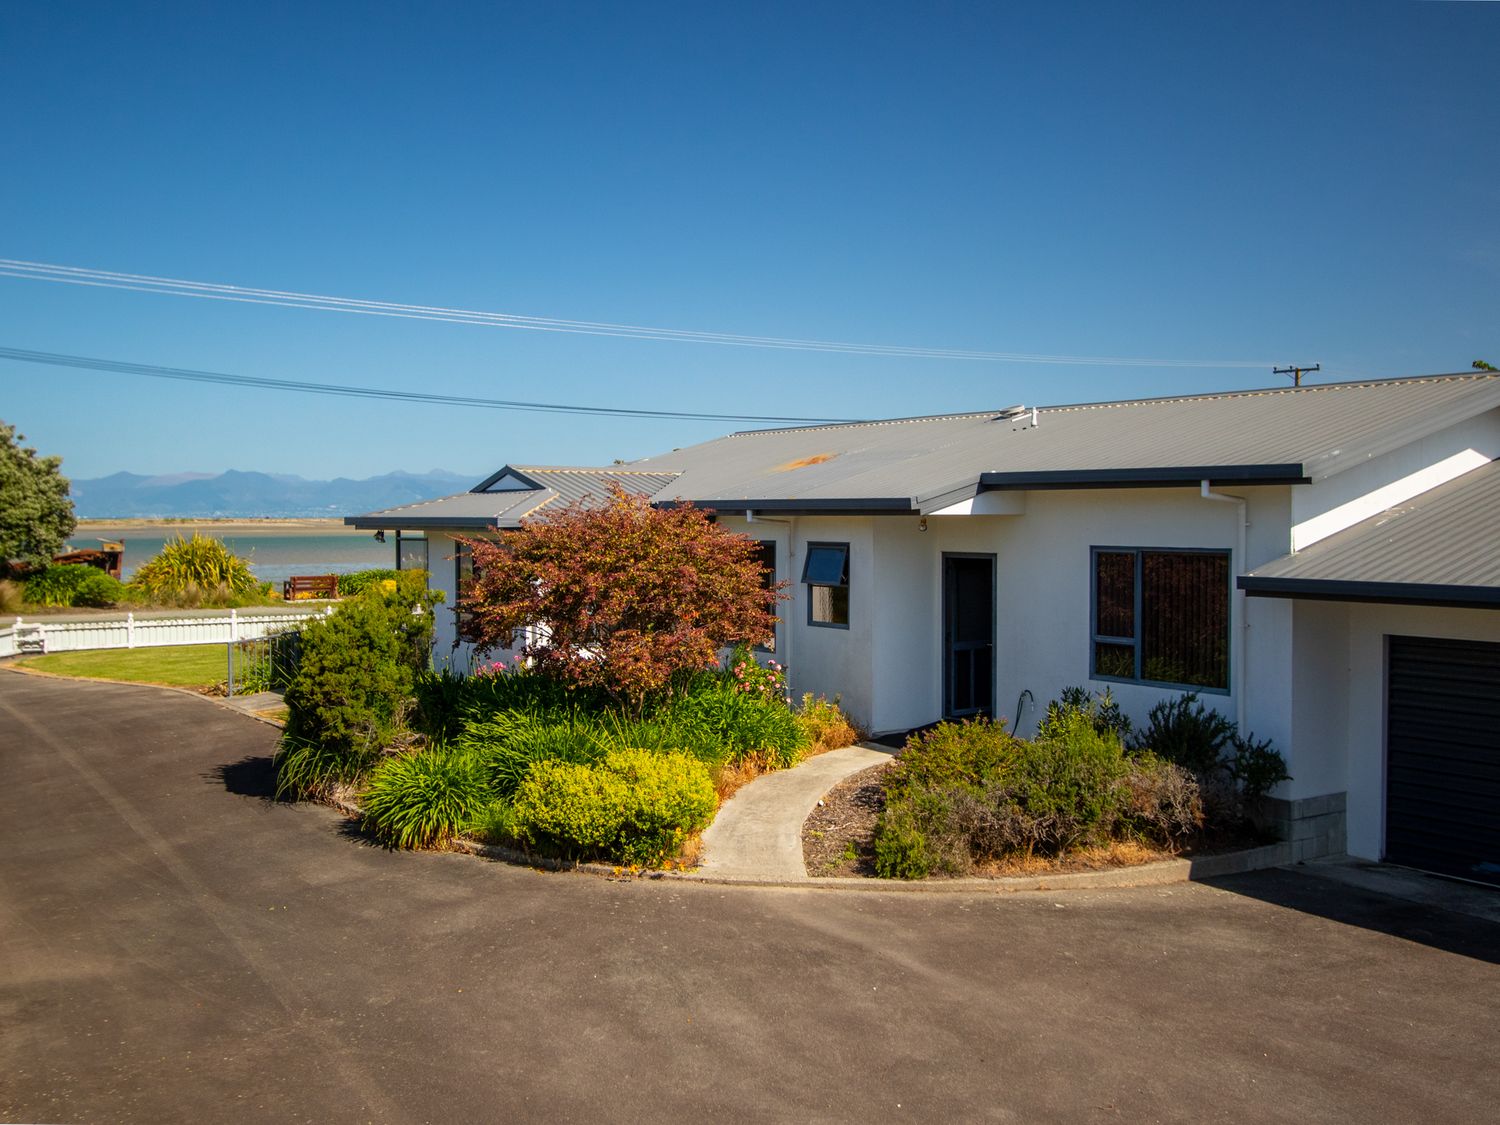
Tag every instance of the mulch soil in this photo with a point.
(838, 839)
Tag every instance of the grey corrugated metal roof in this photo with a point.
(555, 485)
(922, 464)
(467, 509)
(1437, 548)
(1317, 430)
(572, 483)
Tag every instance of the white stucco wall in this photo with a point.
(1328, 506)
(888, 665)
(1341, 700)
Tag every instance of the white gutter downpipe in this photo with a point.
(1238, 656)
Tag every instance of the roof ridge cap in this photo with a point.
(1256, 392)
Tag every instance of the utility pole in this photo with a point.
(1296, 372)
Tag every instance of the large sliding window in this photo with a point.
(1161, 616)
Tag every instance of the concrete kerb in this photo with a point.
(1164, 873)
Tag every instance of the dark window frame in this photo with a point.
(842, 584)
(768, 582)
(1136, 641)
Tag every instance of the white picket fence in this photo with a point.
(145, 632)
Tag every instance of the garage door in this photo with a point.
(1443, 756)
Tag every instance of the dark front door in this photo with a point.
(968, 635)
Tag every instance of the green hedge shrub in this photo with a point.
(359, 581)
(963, 753)
(635, 806)
(967, 792)
(354, 683)
(423, 799)
(74, 584)
(1233, 771)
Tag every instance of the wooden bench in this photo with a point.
(303, 586)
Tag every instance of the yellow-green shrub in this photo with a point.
(635, 806)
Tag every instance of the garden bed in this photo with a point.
(838, 840)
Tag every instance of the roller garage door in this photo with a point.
(1442, 809)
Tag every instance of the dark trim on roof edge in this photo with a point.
(1144, 478)
(385, 522)
(814, 506)
(507, 471)
(1391, 593)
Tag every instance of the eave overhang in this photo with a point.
(1171, 476)
(811, 506)
(379, 521)
(1388, 593)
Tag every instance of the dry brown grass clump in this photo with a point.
(731, 777)
(1119, 853)
(826, 723)
(10, 596)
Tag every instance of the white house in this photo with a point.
(1319, 563)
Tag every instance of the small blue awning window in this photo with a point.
(827, 565)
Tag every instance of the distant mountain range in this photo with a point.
(242, 495)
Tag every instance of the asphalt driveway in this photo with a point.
(177, 947)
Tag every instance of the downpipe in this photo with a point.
(1237, 677)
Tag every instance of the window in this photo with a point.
(1161, 616)
(411, 552)
(463, 574)
(765, 554)
(826, 574)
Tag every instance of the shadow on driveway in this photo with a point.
(1338, 896)
(253, 776)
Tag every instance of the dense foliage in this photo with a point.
(354, 683)
(637, 806)
(357, 582)
(1235, 771)
(422, 799)
(630, 595)
(36, 514)
(73, 584)
(966, 793)
(198, 571)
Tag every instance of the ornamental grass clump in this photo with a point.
(198, 571)
(424, 799)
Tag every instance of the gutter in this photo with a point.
(1164, 477)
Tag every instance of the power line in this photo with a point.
(187, 375)
(178, 287)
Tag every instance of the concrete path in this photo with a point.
(757, 835)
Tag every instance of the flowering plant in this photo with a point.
(754, 678)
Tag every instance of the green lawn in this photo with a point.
(178, 665)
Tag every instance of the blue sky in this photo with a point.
(1261, 182)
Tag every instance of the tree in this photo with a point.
(626, 594)
(36, 515)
